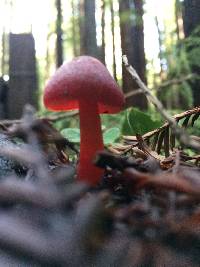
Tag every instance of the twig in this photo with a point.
(132, 93)
(176, 81)
(52, 118)
(63, 115)
(177, 117)
(162, 85)
(179, 132)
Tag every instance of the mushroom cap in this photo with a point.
(83, 78)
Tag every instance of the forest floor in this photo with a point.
(145, 211)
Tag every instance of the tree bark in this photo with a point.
(48, 60)
(178, 16)
(59, 44)
(191, 20)
(103, 45)
(88, 29)
(113, 38)
(22, 73)
(191, 15)
(3, 58)
(132, 43)
(76, 50)
(81, 25)
(160, 35)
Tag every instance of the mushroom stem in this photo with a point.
(91, 142)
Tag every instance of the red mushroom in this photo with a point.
(85, 84)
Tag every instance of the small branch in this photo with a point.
(162, 85)
(177, 81)
(132, 93)
(60, 116)
(179, 132)
(52, 118)
(177, 117)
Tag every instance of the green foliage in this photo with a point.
(181, 58)
(129, 122)
(113, 120)
(177, 61)
(72, 134)
(109, 136)
(178, 67)
(195, 130)
(137, 122)
(192, 47)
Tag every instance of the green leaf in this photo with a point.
(72, 134)
(138, 122)
(111, 135)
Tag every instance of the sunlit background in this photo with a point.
(39, 17)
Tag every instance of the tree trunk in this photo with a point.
(113, 38)
(3, 58)
(81, 26)
(22, 73)
(191, 20)
(59, 44)
(191, 15)
(75, 42)
(132, 42)
(103, 31)
(160, 41)
(88, 29)
(178, 17)
(48, 61)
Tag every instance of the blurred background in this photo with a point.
(160, 38)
